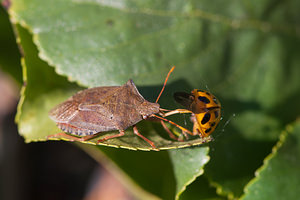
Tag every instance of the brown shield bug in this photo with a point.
(93, 111)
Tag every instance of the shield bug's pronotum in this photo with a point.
(205, 110)
(93, 111)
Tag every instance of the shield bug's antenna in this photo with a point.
(171, 70)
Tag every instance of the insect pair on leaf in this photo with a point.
(92, 111)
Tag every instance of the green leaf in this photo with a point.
(201, 189)
(239, 151)
(188, 165)
(280, 172)
(245, 53)
(35, 124)
(42, 88)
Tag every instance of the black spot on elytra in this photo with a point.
(213, 124)
(206, 118)
(208, 93)
(207, 130)
(204, 99)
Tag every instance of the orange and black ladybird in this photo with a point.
(205, 109)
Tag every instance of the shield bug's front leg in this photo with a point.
(171, 134)
(177, 111)
(184, 130)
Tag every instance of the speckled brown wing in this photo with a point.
(63, 112)
(99, 109)
(95, 95)
(120, 106)
(66, 110)
(70, 118)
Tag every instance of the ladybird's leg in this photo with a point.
(185, 135)
(171, 134)
(111, 136)
(195, 130)
(136, 131)
(195, 125)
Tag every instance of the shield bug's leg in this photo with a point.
(177, 111)
(170, 132)
(135, 130)
(112, 136)
(88, 137)
(72, 137)
(184, 130)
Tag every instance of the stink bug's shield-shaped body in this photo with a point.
(205, 109)
(96, 110)
(102, 109)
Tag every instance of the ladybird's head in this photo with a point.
(147, 108)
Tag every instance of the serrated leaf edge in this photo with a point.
(22, 91)
(282, 138)
(219, 189)
(125, 147)
(201, 171)
(16, 20)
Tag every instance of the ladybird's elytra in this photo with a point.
(205, 109)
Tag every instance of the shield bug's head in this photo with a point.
(147, 108)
